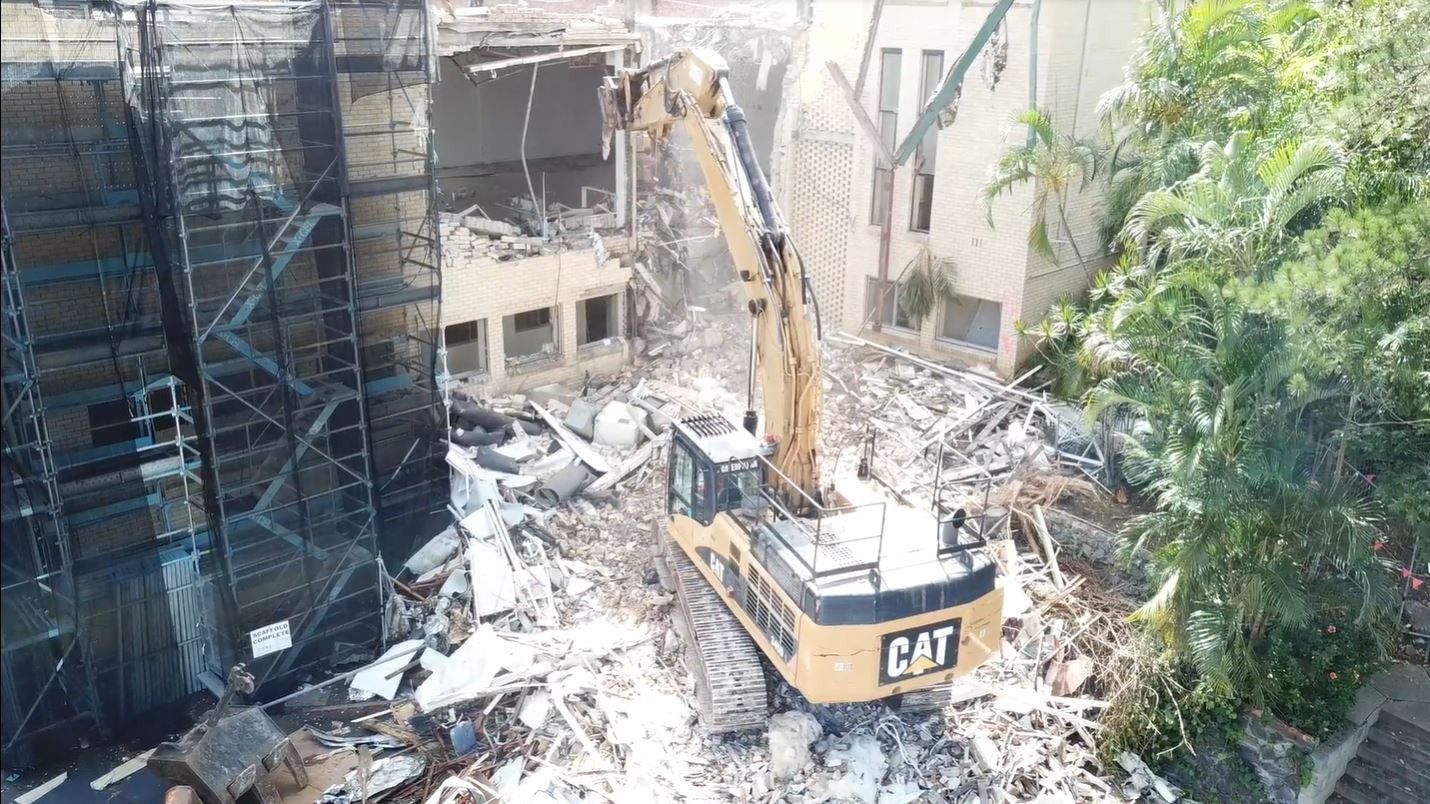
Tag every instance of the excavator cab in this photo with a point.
(857, 599)
(714, 468)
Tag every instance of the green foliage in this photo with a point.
(925, 282)
(1164, 711)
(1255, 524)
(1356, 302)
(1267, 324)
(1377, 73)
(1315, 672)
(1055, 165)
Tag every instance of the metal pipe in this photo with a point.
(563, 485)
(752, 418)
(488, 458)
(476, 437)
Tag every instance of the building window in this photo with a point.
(529, 335)
(926, 156)
(467, 348)
(596, 319)
(112, 423)
(532, 319)
(971, 321)
(881, 304)
(889, 67)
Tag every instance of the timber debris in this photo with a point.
(530, 653)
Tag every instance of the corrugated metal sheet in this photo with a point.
(154, 619)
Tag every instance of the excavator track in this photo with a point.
(729, 679)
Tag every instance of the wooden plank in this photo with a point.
(886, 159)
(1047, 541)
(492, 66)
(39, 792)
(122, 772)
(869, 38)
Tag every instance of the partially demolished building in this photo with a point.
(537, 222)
(248, 251)
(221, 334)
(1057, 56)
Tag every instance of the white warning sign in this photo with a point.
(270, 638)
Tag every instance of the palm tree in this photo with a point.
(1237, 208)
(1222, 65)
(1053, 164)
(923, 283)
(1256, 524)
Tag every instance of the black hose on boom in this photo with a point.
(745, 152)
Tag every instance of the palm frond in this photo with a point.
(1041, 125)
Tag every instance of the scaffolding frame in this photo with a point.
(267, 359)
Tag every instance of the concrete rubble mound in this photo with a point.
(529, 649)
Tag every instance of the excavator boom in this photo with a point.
(691, 88)
(849, 594)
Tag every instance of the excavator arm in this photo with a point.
(691, 87)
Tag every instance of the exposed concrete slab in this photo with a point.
(1369, 700)
(1404, 682)
(1414, 711)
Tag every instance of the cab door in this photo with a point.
(689, 484)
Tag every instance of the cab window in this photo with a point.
(682, 479)
(737, 491)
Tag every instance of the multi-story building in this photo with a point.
(1057, 55)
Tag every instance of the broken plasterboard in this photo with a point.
(495, 590)
(468, 672)
(383, 677)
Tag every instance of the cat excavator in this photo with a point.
(849, 592)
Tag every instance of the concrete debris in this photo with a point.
(790, 736)
(1142, 779)
(534, 642)
(864, 763)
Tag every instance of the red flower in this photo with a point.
(1332, 675)
(1330, 629)
(1377, 545)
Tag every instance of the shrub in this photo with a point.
(1166, 708)
(1315, 671)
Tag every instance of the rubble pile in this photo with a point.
(499, 18)
(531, 655)
(469, 234)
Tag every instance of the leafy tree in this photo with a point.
(1267, 320)
(1256, 523)
(1238, 207)
(1356, 302)
(1053, 164)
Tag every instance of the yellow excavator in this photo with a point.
(850, 593)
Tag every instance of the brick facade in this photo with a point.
(1082, 46)
(480, 288)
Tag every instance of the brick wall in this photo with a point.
(477, 287)
(1081, 49)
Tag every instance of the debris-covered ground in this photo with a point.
(532, 654)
